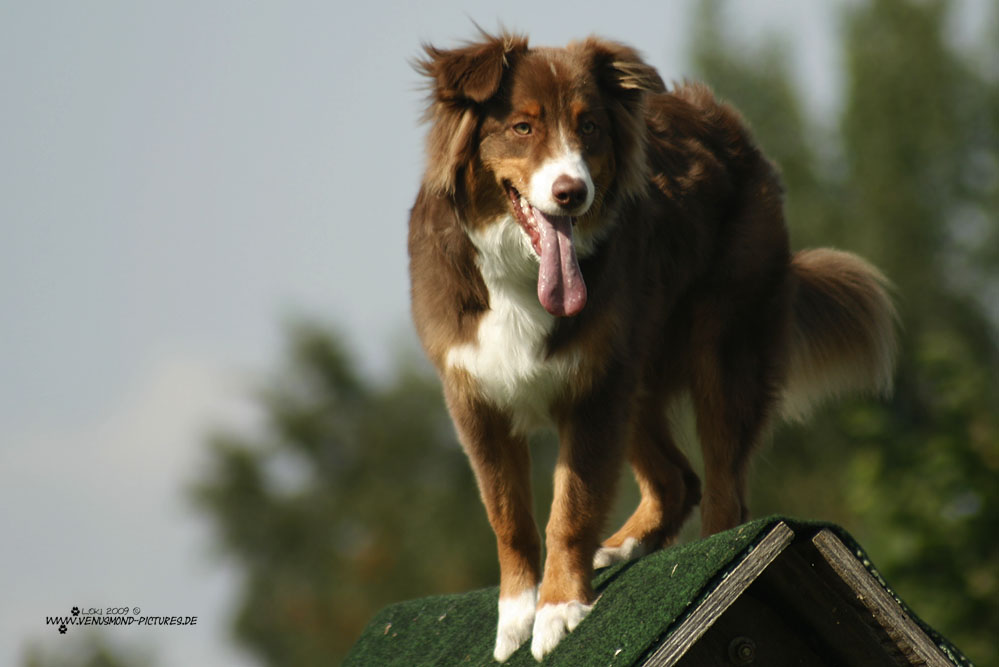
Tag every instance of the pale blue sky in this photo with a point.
(177, 179)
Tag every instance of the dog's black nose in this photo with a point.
(568, 191)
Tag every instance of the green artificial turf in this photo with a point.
(640, 602)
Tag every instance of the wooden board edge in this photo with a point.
(721, 598)
(889, 614)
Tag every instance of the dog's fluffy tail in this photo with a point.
(843, 330)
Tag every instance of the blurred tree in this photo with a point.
(921, 133)
(916, 191)
(759, 81)
(353, 496)
(93, 650)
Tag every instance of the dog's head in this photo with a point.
(516, 104)
(551, 134)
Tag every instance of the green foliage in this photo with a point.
(92, 650)
(759, 82)
(915, 479)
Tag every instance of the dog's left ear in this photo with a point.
(620, 69)
(626, 80)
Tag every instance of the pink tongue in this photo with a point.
(561, 289)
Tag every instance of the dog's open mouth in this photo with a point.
(561, 289)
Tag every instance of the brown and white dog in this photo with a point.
(587, 246)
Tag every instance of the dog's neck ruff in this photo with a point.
(508, 358)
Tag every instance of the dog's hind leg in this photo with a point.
(737, 371)
(669, 489)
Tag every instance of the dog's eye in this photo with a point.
(588, 127)
(522, 129)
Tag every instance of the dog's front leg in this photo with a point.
(589, 460)
(501, 462)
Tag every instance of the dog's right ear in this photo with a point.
(461, 80)
(472, 73)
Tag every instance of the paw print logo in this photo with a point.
(75, 611)
(62, 629)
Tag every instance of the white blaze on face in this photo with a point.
(569, 162)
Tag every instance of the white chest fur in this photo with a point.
(507, 358)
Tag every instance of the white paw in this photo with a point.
(607, 556)
(553, 622)
(516, 616)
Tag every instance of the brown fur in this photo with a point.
(692, 288)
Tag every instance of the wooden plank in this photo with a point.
(722, 597)
(909, 637)
(756, 631)
(823, 610)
